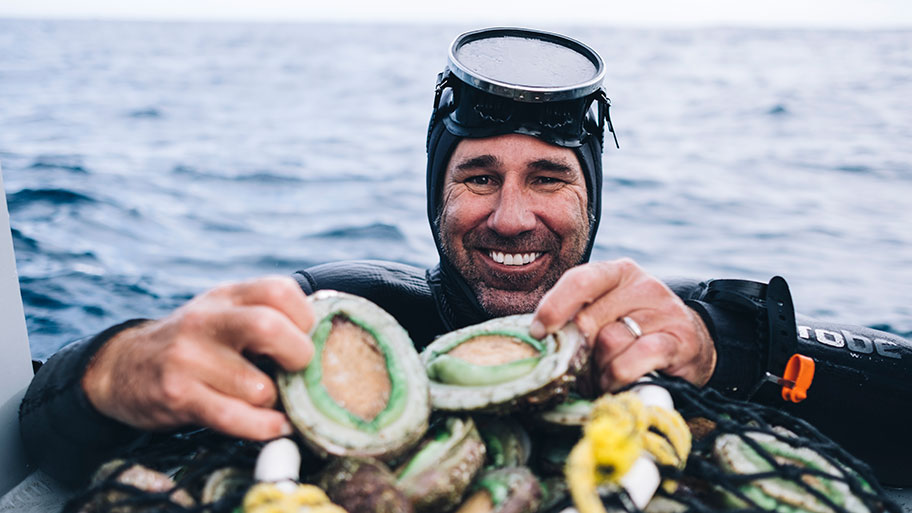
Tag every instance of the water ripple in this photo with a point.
(378, 231)
(260, 177)
(23, 243)
(778, 110)
(147, 113)
(62, 162)
(27, 197)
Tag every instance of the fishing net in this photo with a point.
(744, 457)
(748, 457)
(170, 473)
(794, 464)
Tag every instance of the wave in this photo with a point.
(147, 113)
(22, 242)
(859, 168)
(610, 182)
(55, 196)
(778, 110)
(381, 231)
(257, 176)
(62, 162)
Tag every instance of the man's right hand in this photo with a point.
(189, 367)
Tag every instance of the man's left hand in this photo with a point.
(597, 296)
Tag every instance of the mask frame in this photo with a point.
(472, 103)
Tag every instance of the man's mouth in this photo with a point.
(517, 259)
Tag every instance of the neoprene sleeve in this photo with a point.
(63, 433)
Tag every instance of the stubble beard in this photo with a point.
(513, 293)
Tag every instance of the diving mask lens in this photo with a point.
(511, 80)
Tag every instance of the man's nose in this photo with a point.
(513, 213)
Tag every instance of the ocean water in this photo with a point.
(146, 162)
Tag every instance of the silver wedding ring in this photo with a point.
(632, 327)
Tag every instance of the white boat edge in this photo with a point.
(22, 488)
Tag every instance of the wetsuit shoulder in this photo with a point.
(400, 289)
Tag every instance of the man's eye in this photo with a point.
(479, 180)
(548, 180)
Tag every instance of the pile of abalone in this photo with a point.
(489, 419)
(365, 402)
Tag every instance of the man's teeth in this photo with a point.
(513, 258)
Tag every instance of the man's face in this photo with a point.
(514, 218)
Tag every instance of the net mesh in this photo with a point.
(781, 462)
(769, 461)
(189, 459)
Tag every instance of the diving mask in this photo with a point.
(513, 80)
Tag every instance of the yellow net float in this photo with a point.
(619, 447)
(281, 498)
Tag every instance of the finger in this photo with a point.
(650, 352)
(264, 330)
(613, 339)
(642, 300)
(234, 417)
(576, 288)
(228, 372)
(279, 292)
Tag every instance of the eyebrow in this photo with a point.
(555, 166)
(492, 162)
(479, 162)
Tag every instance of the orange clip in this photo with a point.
(800, 371)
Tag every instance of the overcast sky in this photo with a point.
(788, 13)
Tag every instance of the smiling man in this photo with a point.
(514, 218)
(514, 187)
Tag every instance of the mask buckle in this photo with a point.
(604, 113)
(443, 82)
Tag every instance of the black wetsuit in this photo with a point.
(862, 392)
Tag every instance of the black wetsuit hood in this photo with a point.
(455, 298)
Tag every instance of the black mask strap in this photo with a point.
(604, 108)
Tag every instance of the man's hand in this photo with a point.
(596, 296)
(188, 368)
